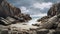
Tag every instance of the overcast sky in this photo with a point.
(34, 7)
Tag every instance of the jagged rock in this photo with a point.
(25, 16)
(4, 22)
(50, 20)
(11, 14)
(7, 10)
(43, 19)
(54, 10)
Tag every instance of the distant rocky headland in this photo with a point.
(12, 21)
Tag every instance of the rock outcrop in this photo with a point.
(54, 10)
(12, 17)
(52, 20)
(7, 10)
(45, 18)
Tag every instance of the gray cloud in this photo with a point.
(29, 8)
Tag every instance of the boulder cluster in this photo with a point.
(9, 12)
(12, 21)
(52, 20)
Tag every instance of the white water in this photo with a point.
(27, 26)
(33, 21)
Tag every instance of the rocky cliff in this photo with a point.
(52, 18)
(54, 10)
(49, 24)
(7, 10)
(51, 21)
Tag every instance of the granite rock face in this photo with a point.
(11, 20)
(52, 19)
(7, 10)
(54, 10)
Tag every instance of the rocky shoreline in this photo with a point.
(12, 21)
